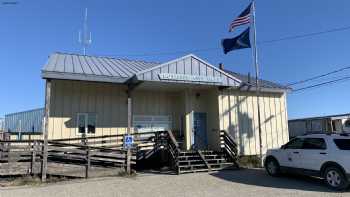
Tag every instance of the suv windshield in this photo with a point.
(342, 144)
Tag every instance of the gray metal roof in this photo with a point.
(263, 83)
(336, 116)
(91, 68)
(107, 69)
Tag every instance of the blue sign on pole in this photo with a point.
(128, 141)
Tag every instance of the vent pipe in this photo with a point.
(221, 66)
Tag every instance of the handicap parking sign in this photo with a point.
(128, 141)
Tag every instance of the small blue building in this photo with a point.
(25, 123)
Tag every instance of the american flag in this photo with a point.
(242, 19)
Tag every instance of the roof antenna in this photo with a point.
(249, 79)
(85, 36)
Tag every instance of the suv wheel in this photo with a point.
(335, 178)
(272, 167)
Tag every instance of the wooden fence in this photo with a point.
(14, 151)
(102, 151)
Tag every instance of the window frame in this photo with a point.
(86, 130)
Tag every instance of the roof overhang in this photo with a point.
(262, 89)
(82, 77)
(245, 87)
(329, 117)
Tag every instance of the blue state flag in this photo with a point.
(241, 41)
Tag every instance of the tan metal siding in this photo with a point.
(238, 114)
(72, 97)
(108, 101)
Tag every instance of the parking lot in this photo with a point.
(249, 182)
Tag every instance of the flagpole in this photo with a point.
(255, 58)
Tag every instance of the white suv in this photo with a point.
(320, 155)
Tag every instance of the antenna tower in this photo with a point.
(85, 38)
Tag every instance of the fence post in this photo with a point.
(84, 139)
(32, 166)
(88, 162)
(128, 161)
(44, 162)
(1, 149)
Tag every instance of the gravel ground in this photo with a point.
(249, 182)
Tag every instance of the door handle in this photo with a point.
(323, 153)
(296, 152)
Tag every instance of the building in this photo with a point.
(2, 124)
(323, 124)
(25, 124)
(101, 96)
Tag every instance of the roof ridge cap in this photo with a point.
(107, 57)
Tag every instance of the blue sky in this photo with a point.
(31, 30)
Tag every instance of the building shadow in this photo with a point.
(258, 177)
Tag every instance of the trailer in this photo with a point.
(323, 124)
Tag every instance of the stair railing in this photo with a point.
(148, 143)
(173, 148)
(229, 146)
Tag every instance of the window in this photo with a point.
(342, 144)
(347, 123)
(296, 143)
(334, 125)
(147, 123)
(314, 144)
(316, 125)
(81, 123)
(86, 123)
(91, 123)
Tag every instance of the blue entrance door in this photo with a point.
(199, 136)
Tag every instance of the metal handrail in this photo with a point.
(173, 148)
(228, 144)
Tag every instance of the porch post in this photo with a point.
(45, 132)
(128, 154)
(188, 120)
(331, 121)
(129, 113)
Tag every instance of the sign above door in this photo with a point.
(192, 78)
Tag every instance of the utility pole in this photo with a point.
(85, 36)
